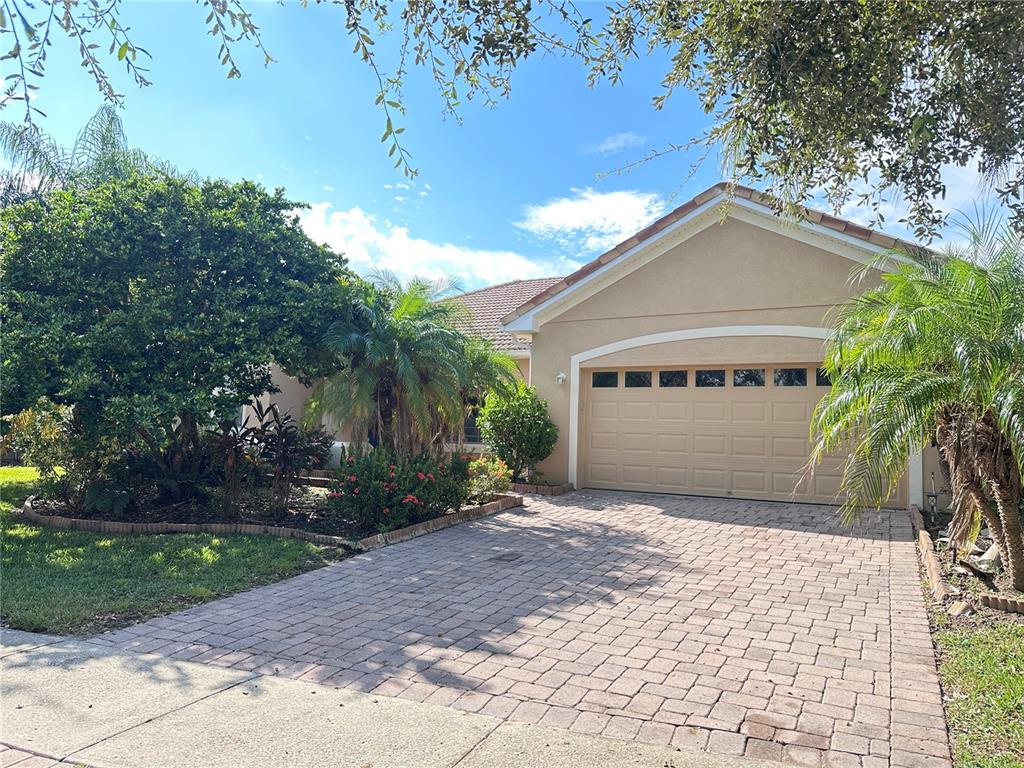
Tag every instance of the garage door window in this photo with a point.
(790, 377)
(604, 379)
(748, 377)
(710, 378)
(821, 378)
(638, 378)
(668, 379)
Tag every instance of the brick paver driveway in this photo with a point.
(738, 627)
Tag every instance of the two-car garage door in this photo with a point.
(739, 431)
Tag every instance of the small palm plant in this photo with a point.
(410, 373)
(936, 353)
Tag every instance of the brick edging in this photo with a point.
(222, 529)
(929, 560)
(503, 502)
(543, 490)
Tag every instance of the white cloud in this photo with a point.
(967, 196)
(611, 144)
(328, 188)
(399, 199)
(592, 221)
(372, 245)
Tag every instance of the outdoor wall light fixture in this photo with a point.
(560, 378)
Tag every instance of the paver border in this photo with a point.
(503, 502)
(540, 489)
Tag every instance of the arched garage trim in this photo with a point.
(798, 331)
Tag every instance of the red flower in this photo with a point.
(430, 475)
(421, 476)
(351, 459)
(392, 467)
(410, 499)
(386, 510)
(335, 494)
(352, 478)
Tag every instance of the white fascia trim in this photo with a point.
(799, 331)
(518, 354)
(831, 240)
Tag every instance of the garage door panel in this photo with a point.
(709, 445)
(715, 411)
(673, 479)
(636, 475)
(668, 444)
(634, 442)
(709, 480)
(749, 482)
(792, 414)
(603, 473)
(748, 442)
(785, 448)
(604, 441)
(750, 413)
(748, 446)
(670, 412)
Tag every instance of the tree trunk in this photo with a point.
(1009, 515)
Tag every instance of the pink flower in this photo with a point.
(352, 478)
(356, 491)
(421, 476)
(386, 510)
(430, 475)
(351, 459)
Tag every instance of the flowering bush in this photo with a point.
(376, 491)
(488, 476)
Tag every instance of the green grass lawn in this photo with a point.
(982, 673)
(74, 582)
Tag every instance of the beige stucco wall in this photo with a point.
(292, 399)
(732, 273)
(523, 363)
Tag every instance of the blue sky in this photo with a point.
(526, 189)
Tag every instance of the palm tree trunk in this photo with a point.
(1008, 504)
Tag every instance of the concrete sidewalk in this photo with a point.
(77, 702)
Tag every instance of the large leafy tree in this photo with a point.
(937, 354)
(410, 373)
(155, 306)
(850, 95)
(37, 164)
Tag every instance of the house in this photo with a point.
(687, 358)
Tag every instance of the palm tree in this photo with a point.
(937, 354)
(100, 153)
(410, 372)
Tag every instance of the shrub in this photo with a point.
(488, 477)
(518, 430)
(284, 450)
(377, 491)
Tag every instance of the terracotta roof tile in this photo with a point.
(832, 222)
(488, 305)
